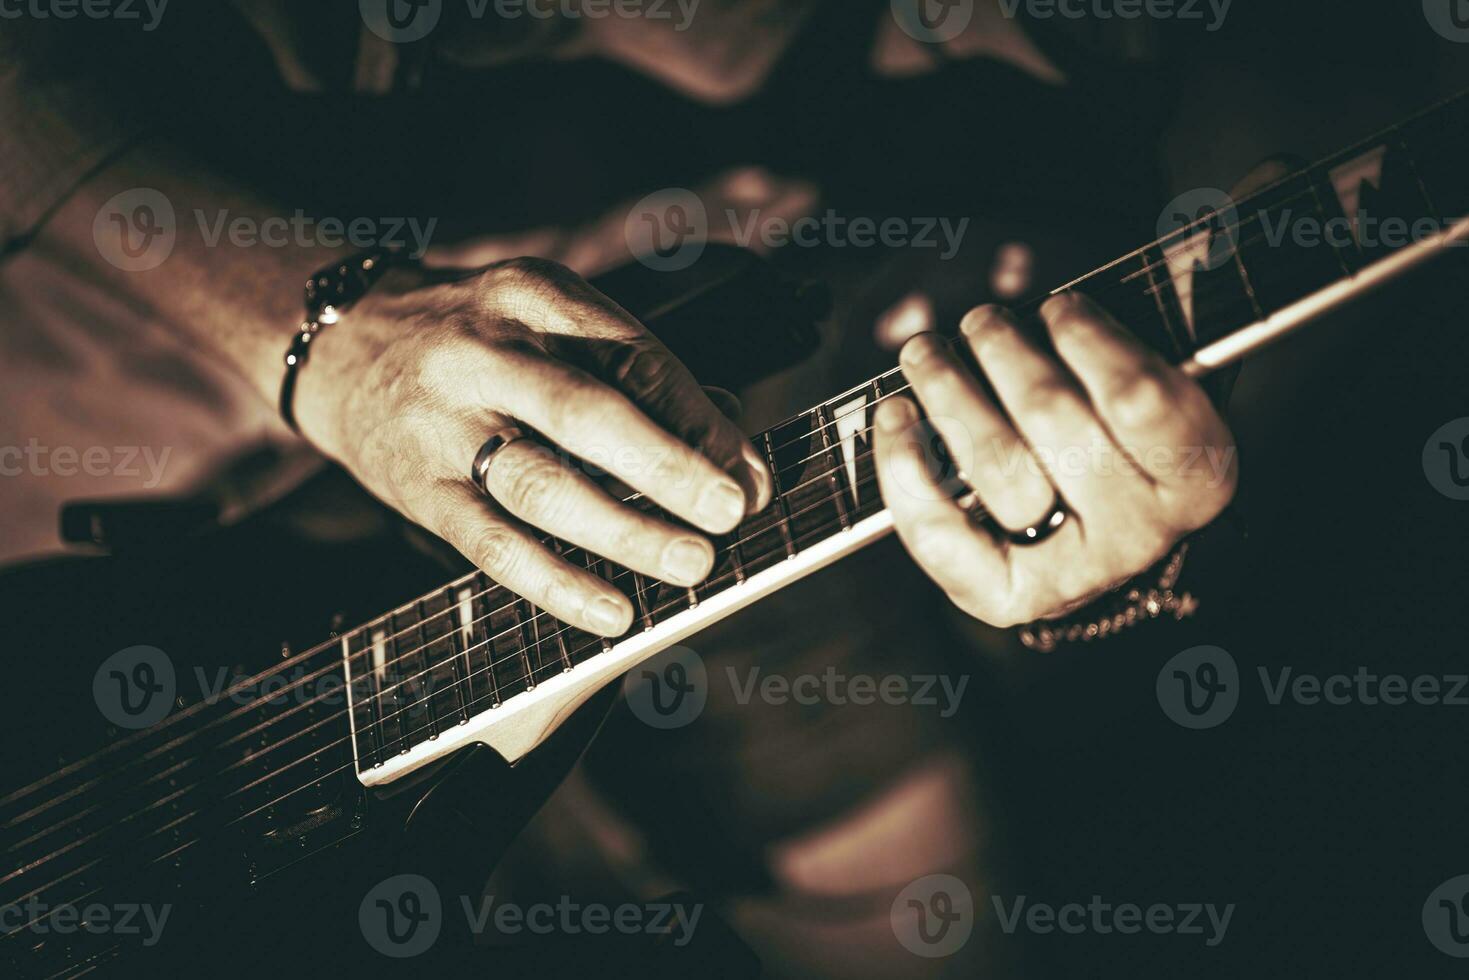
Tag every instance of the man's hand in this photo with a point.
(426, 368)
(1132, 448)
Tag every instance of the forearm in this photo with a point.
(233, 297)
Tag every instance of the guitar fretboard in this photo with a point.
(472, 646)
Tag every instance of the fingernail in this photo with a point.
(721, 506)
(608, 616)
(686, 561)
(1062, 302)
(895, 415)
(760, 487)
(980, 319)
(919, 349)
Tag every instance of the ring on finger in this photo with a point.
(479, 473)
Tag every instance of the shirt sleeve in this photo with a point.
(58, 126)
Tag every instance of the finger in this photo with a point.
(965, 562)
(642, 367)
(533, 484)
(600, 425)
(509, 553)
(990, 454)
(661, 384)
(1268, 172)
(727, 402)
(1161, 419)
(1046, 406)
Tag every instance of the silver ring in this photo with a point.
(479, 473)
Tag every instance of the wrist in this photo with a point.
(341, 338)
(1150, 596)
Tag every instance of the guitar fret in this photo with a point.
(446, 692)
(1244, 276)
(837, 478)
(505, 641)
(560, 632)
(530, 647)
(1336, 251)
(359, 672)
(785, 507)
(639, 596)
(426, 678)
(598, 566)
(1177, 297)
(466, 634)
(1410, 161)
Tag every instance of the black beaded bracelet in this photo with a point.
(1120, 610)
(328, 294)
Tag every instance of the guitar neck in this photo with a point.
(471, 662)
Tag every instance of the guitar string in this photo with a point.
(425, 622)
(1397, 132)
(459, 683)
(316, 779)
(417, 626)
(467, 703)
(330, 642)
(621, 576)
(811, 432)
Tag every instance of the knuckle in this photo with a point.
(575, 403)
(528, 270)
(535, 484)
(630, 543)
(563, 593)
(454, 353)
(1142, 400)
(524, 285)
(1047, 398)
(493, 548)
(647, 371)
(933, 545)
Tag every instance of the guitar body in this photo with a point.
(143, 778)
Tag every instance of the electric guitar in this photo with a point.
(247, 796)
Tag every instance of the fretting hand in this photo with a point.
(1130, 451)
